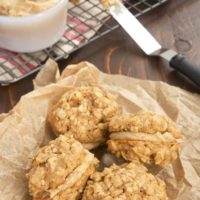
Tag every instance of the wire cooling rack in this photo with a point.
(83, 26)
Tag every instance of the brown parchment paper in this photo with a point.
(24, 128)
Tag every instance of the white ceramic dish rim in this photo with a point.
(32, 16)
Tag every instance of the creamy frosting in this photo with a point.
(90, 146)
(166, 137)
(75, 176)
(25, 7)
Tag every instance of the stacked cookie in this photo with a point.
(60, 170)
(128, 181)
(145, 137)
(86, 117)
(84, 112)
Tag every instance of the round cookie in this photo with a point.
(126, 182)
(84, 112)
(60, 170)
(145, 136)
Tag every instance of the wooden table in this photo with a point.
(176, 25)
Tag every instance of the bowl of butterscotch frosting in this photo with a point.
(31, 25)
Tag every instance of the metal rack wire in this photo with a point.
(84, 26)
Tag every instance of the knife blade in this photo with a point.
(150, 45)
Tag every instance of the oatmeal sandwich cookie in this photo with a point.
(60, 170)
(84, 112)
(145, 136)
(125, 182)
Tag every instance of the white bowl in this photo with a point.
(35, 32)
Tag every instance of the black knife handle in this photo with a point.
(183, 65)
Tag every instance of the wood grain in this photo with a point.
(175, 25)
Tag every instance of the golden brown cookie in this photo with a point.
(60, 170)
(84, 112)
(145, 136)
(125, 182)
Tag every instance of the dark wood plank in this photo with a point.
(175, 25)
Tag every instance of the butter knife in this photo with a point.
(149, 44)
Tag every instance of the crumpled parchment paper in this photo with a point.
(24, 128)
